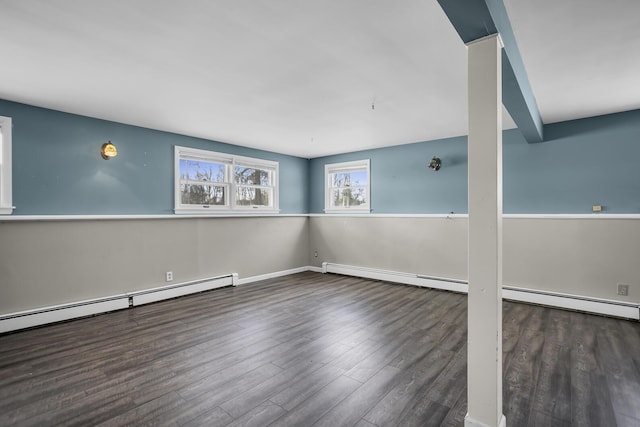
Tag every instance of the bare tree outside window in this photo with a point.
(347, 186)
(197, 182)
(223, 182)
(252, 186)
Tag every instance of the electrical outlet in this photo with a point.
(623, 289)
(315, 254)
(169, 276)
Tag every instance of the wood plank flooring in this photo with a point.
(314, 350)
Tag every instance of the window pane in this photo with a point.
(346, 197)
(197, 170)
(251, 196)
(202, 195)
(252, 176)
(347, 186)
(206, 179)
(350, 178)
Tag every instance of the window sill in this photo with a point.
(347, 211)
(226, 212)
(6, 210)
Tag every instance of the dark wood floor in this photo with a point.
(313, 349)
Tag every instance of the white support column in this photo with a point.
(485, 234)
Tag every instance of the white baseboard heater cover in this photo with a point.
(172, 291)
(58, 313)
(553, 299)
(573, 302)
(397, 277)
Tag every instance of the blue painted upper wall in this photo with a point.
(401, 181)
(57, 168)
(583, 163)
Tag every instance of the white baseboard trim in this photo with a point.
(623, 309)
(58, 313)
(172, 291)
(275, 274)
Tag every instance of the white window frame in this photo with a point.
(6, 200)
(346, 166)
(230, 161)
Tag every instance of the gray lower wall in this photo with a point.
(585, 257)
(44, 263)
(431, 246)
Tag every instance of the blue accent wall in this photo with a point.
(401, 181)
(593, 161)
(57, 168)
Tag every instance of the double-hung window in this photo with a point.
(218, 182)
(6, 200)
(347, 187)
(253, 182)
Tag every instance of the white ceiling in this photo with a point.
(304, 77)
(582, 56)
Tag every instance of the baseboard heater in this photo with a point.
(627, 310)
(172, 291)
(58, 313)
(397, 277)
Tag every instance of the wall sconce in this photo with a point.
(108, 150)
(435, 163)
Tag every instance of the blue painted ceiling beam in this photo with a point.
(474, 19)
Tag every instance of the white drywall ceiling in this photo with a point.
(302, 77)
